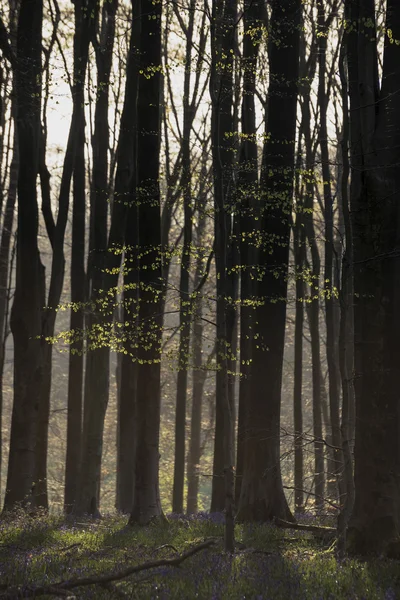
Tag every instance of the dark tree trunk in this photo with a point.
(146, 502)
(221, 89)
(247, 196)
(57, 236)
(300, 255)
(26, 313)
(346, 338)
(99, 321)
(125, 187)
(75, 371)
(375, 213)
(5, 267)
(262, 497)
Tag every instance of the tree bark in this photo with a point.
(125, 186)
(26, 312)
(247, 199)
(185, 300)
(75, 370)
(99, 321)
(221, 90)
(329, 287)
(375, 190)
(146, 502)
(262, 497)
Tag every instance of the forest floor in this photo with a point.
(269, 563)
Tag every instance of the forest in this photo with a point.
(199, 274)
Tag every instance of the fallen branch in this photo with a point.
(303, 527)
(63, 586)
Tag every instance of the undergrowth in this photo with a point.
(269, 563)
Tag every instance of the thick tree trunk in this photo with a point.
(221, 90)
(146, 502)
(247, 200)
(26, 313)
(375, 191)
(262, 497)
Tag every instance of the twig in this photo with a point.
(61, 587)
(165, 546)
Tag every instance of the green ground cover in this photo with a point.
(269, 563)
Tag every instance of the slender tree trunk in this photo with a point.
(99, 323)
(197, 401)
(185, 300)
(125, 185)
(262, 497)
(146, 502)
(300, 255)
(57, 235)
(329, 288)
(29, 289)
(5, 267)
(346, 341)
(75, 370)
(313, 318)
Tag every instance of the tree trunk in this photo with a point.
(262, 497)
(75, 371)
(26, 313)
(329, 288)
(99, 322)
(346, 340)
(125, 186)
(197, 400)
(57, 236)
(300, 255)
(375, 190)
(185, 300)
(5, 266)
(221, 90)
(146, 502)
(247, 200)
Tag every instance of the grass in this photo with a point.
(269, 564)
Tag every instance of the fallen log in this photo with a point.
(319, 529)
(62, 588)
